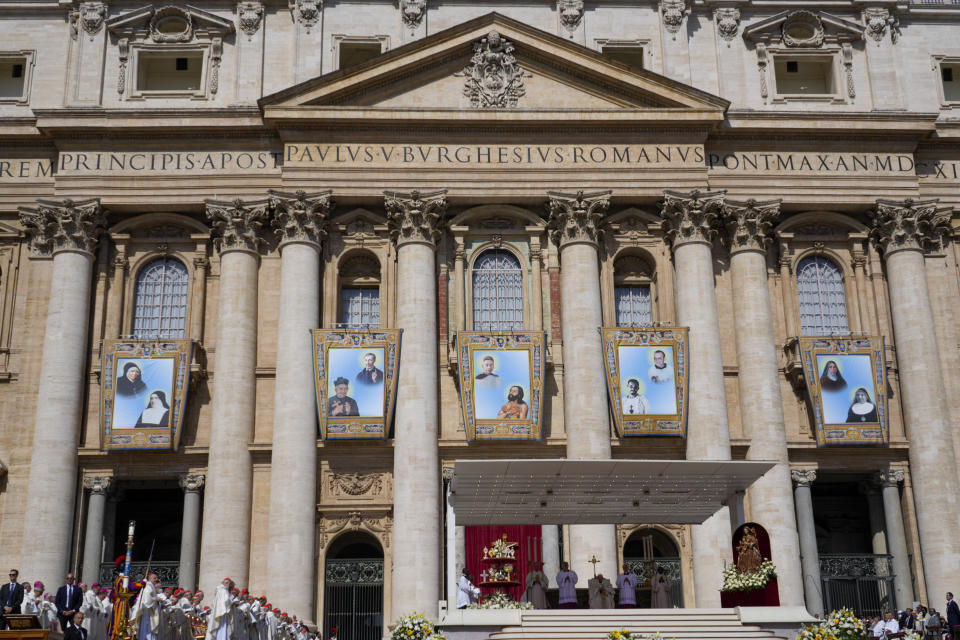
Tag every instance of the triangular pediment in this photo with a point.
(170, 23)
(803, 29)
(494, 64)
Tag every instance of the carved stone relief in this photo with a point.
(237, 225)
(672, 13)
(749, 223)
(380, 526)
(493, 79)
(171, 24)
(878, 20)
(692, 215)
(910, 224)
(358, 486)
(576, 217)
(728, 22)
(57, 225)
(412, 12)
(249, 16)
(571, 14)
(307, 12)
(802, 29)
(89, 17)
(415, 216)
(300, 216)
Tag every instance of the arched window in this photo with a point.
(497, 292)
(160, 301)
(823, 304)
(632, 277)
(360, 292)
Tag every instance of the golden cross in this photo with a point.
(593, 560)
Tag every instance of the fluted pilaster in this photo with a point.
(68, 230)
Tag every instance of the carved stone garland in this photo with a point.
(909, 224)
(692, 216)
(749, 223)
(494, 80)
(576, 217)
(412, 12)
(307, 12)
(355, 484)
(63, 225)
(415, 216)
(877, 21)
(300, 216)
(571, 14)
(237, 224)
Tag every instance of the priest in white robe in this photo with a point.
(467, 594)
(600, 592)
(145, 612)
(627, 584)
(660, 590)
(567, 582)
(536, 593)
(218, 623)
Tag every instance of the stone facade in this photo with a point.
(276, 180)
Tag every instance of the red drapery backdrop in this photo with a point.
(769, 596)
(529, 548)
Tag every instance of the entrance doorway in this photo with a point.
(649, 551)
(353, 587)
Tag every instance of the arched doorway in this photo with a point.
(353, 587)
(648, 550)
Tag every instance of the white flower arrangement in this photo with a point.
(415, 627)
(499, 600)
(626, 634)
(733, 580)
(841, 624)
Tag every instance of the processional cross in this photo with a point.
(593, 560)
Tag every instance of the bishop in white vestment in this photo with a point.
(145, 612)
(601, 593)
(536, 593)
(218, 624)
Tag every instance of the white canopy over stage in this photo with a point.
(496, 492)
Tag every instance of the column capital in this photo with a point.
(300, 216)
(237, 224)
(749, 223)
(575, 217)
(889, 477)
(803, 477)
(192, 482)
(909, 224)
(63, 225)
(98, 484)
(692, 215)
(415, 217)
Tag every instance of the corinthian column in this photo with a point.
(691, 218)
(574, 222)
(300, 219)
(904, 229)
(761, 407)
(225, 551)
(414, 220)
(69, 230)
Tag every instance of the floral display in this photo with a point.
(841, 624)
(415, 627)
(620, 634)
(735, 580)
(501, 600)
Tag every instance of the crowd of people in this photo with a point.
(928, 622)
(85, 612)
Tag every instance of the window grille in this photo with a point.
(360, 307)
(823, 304)
(160, 302)
(497, 292)
(632, 305)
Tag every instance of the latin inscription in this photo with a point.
(173, 162)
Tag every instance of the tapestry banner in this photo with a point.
(356, 373)
(501, 384)
(847, 382)
(647, 373)
(143, 393)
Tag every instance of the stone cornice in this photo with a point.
(691, 216)
(414, 216)
(909, 225)
(300, 216)
(749, 223)
(63, 225)
(237, 224)
(575, 217)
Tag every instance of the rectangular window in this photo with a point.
(175, 71)
(632, 306)
(950, 72)
(12, 78)
(353, 53)
(360, 307)
(811, 76)
(627, 55)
